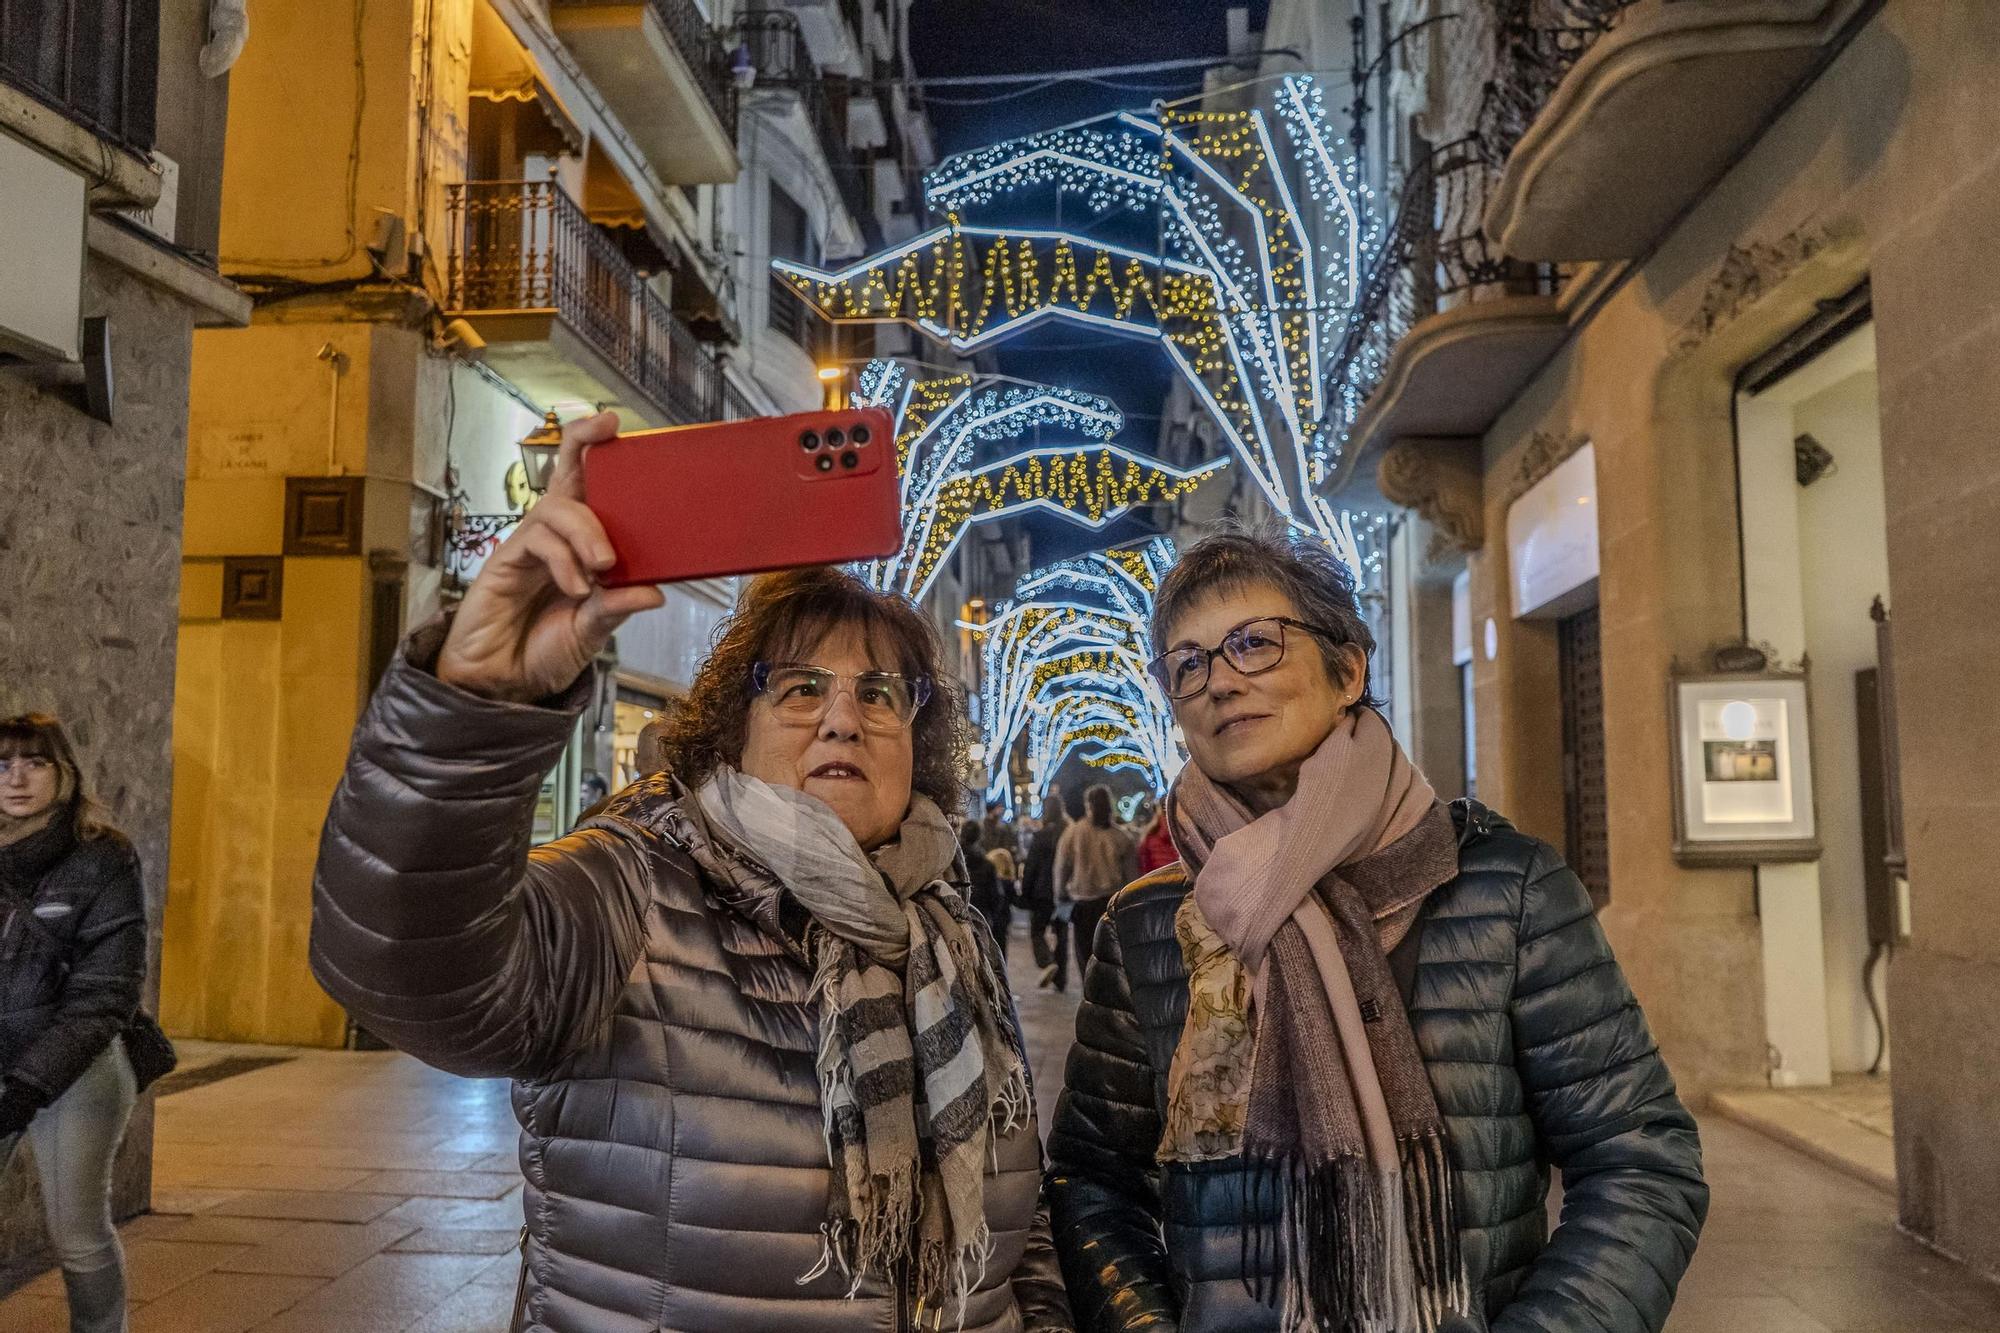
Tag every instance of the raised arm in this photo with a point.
(432, 921)
(1605, 1111)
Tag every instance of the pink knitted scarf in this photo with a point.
(1298, 1053)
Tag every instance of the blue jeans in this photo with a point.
(74, 1139)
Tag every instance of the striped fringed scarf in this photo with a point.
(920, 1065)
(1297, 1054)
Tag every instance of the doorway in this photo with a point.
(1816, 589)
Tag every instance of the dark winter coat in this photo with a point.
(1539, 1057)
(1038, 868)
(656, 1025)
(984, 881)
(72, 954)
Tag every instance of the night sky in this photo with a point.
(971, 37)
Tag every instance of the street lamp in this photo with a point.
(539, 448)
(835, 380)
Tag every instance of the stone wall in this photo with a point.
(1886, 169)
(90, 523)
(1936, 271)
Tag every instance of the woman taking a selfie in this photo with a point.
(72, 957)
(767, 1068)
(1325, 1061)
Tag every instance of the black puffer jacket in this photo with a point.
(72, 955)
(1539, 1057)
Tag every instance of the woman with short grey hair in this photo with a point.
(1326, 1060)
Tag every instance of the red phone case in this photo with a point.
(738, 497)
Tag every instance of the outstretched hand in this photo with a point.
(536, 615)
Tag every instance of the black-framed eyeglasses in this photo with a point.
(801, 694)
(1253, 647)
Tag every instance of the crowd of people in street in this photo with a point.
(1334, 1036)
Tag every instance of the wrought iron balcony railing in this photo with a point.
(525, 245)
(1538, 42)
(778, 51)
(699, 45)
(96, 61)
(1435, 256)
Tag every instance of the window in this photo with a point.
(791, 238)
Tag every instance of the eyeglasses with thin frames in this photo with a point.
(1253, 647)
(29, 765)
(800, 694)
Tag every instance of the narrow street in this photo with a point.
(339, 1192)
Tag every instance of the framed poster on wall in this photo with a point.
(1743, 777)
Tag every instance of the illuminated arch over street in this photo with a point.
(948, 431)
(1263, 236)
(1064, 664)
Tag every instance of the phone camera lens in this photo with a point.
(850, 459)
(809, 441)
(860, 435)
(824, 462)
(834, 438)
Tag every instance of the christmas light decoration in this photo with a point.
(1065, 667)
(1264, 233)
(946, 486)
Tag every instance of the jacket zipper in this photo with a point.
(903, 1323)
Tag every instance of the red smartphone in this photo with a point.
(738, 497)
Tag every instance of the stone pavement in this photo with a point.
(341, 1192)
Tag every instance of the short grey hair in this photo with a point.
(1317, 581)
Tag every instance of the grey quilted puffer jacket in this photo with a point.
(1538, 1055)
(658, 1035)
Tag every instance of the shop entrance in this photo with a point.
(1816, 589)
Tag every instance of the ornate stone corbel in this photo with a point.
(1441, 479)
(1544, 452)
(1750, 270)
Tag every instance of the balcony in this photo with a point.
(1629, 110)
(1447, 329)
(665, 72)
(96, 65)
(779, 52)
(563, 314)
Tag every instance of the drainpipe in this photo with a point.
(336, 363)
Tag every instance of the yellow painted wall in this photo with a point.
(264, 709)
(262, 715)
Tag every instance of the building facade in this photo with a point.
(109, 178)
(489, 210)
(1682, 318)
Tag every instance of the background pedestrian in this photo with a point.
(73, 941)
(1048, 937)
(1094, 860)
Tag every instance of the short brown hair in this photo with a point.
(780, 617)
(1317, 581)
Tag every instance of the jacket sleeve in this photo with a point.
(107, 965)
(433, 921)
(1606, 1114)
(1104, 1187)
